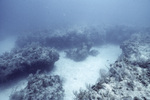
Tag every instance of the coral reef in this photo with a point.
(128, 78)
(74, 37)
(82, 52)
(70, 39)
(40, 87)
(23, 61)
(137, 49)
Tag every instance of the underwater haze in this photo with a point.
(27, 15)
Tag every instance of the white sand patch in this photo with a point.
(7, 44)
(77, 74)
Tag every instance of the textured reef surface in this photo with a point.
(137, 49)
(81, 53)
(23, 61)
(40, 87)
(128, 78)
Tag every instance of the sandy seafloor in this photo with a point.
(74, 74)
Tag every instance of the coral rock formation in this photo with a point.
(40, 87)
(26, 60)
(128, 78)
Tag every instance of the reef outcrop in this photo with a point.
(23, 61)
(75, 36)
(137, 49)
(41, 87)
(128, 78)
(81, 53)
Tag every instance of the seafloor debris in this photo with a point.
(40, 87)
(128, 78)
(26, 60)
